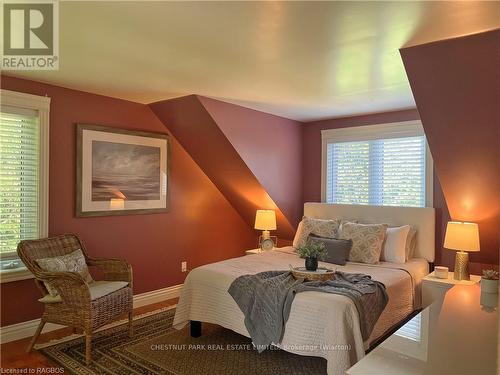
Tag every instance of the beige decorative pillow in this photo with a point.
(319, 227)
(342, 221)
(72, 262)
(366, 239)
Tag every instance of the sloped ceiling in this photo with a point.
(250, 172)
(456, 85)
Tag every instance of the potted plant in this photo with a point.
(489, 281)
(311, 251)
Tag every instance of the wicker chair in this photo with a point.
(75, 306)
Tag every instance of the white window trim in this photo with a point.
(17, 274)
(41, 104)
(379, 131)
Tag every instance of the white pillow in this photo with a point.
(411, 243)
(394, 249)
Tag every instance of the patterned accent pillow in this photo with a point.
(366, 239)
(72, 262)
(319, 227)
(411, 240)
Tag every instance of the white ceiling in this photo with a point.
(300, 60)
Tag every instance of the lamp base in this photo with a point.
(266, 234)
(461, 266)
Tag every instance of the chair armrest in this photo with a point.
(72, 288)
(114, 269)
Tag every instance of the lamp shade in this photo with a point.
(462, 236)
(265, 220)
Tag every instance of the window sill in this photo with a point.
(15, 274)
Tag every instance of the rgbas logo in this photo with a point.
(30, 35)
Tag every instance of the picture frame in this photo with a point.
(121, 172)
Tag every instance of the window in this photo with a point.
(23, 175)
(384, 165)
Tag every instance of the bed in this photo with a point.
(320, 324)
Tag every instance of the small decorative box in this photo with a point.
(441, 272)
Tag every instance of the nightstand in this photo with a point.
(434, 289)
(253, 251)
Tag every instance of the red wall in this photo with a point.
(456, 85)
(154, 244)
(201, 135)
(271, 147)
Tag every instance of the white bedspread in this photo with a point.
(320, 324)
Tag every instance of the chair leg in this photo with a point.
(35, 337)
(88, 347)
(130, 327)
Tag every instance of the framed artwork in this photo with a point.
(121, 172)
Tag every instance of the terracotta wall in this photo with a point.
(154, 244)
(271, 147)
(312, 165)
(253, 158)
(456, 85)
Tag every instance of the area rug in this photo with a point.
(158, 348)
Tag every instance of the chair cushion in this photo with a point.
(97, 290)
(72, 262)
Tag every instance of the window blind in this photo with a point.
(412, 329)
(19, 176)
(388, 172)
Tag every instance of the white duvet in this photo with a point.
(320, 324)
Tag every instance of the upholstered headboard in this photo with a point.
(422, 219)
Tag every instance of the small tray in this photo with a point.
(321, 274)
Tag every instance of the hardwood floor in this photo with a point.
(13, 354)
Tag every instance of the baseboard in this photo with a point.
(157, 295)
(26, 329)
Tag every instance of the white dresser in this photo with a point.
(456, 335)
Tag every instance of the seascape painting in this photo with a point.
(121, 172)
(125, 171)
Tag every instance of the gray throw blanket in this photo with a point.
(266, 299)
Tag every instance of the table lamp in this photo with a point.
(265, 220)
(462, 237)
